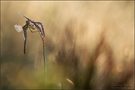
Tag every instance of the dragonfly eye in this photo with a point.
(18, 28)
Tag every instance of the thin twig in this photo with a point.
(45, 61)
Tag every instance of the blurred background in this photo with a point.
(89, 45)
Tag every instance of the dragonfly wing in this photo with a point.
(25, 41)
(25, 27)
(41, 28)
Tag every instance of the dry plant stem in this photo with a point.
(45, 61)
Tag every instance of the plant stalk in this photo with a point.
(45, 62)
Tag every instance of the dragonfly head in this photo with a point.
(31, 26)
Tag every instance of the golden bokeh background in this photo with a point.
(89, 45)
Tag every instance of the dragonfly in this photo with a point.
(33, 27)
